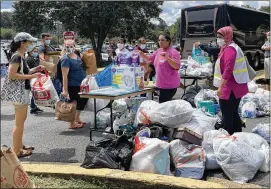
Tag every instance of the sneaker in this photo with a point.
(107, 130)
(39, 110)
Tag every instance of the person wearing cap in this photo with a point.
(22, 43)
(45, 47)
(266, 48)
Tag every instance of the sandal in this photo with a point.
(80, 122)
(78, 126)
(24, 153)
(28, 147)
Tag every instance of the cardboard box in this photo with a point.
(124, 78)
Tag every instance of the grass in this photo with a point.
(47, 181)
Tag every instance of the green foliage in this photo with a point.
(6, 19)
(32, 16)
(7, 33)
(96, 19)
(248, 6)
(265, 9)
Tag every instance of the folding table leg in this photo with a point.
(111, 116)
(95, 121)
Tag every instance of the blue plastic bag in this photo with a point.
(104, 78)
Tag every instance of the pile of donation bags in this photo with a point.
(173, 138)
(194, 68)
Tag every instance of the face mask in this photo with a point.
(30, 48)
(220, 42)
(35, 54)
(120, 46)
(142, 46)
(47, 42)
(268, 37)
(69, 50)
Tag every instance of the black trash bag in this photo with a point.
(109, 153)
(190, 94)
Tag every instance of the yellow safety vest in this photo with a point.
(240, 71)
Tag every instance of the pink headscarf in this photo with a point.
(227, 34)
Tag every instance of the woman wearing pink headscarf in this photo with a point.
(231, 78)
(266, 48)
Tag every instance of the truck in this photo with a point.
(201, 23)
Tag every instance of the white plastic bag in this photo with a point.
(199, 123)
(172, 113)
(205, 94)
(43, 91)
(88, 84)
(90, 105)
(263, 130)
(252, 86)
(145, 108)
(153, 157)
(263, 92)
(239, 161)
(189, 159)
(207, 145)
(119, 106)
(258, 143)
(126, 119)
(249, 110)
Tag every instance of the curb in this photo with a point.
(127, 177)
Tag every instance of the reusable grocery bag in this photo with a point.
(65, 110)
(13, 174)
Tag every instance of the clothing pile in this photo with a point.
(255, 104)
(194, 68)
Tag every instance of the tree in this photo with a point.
(6, 19)
(265, 9)
(96, 19)
(32, 16)
(7, 33)
(248, 6)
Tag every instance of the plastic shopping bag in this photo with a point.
(43, 91)
(249, 110)
(207, 145)
(143, 110)
(90, 105)
(263, 130)
(151, 156)
(189, 159)
(88, 84)
(258, 143)
(252, 86)
(239, 161)
(172, 113)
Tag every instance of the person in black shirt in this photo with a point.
(33, 61)
(21, 43)
(45, 47)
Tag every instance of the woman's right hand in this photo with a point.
(36, 75)
(65, 94)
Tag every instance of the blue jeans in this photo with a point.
(32, 104)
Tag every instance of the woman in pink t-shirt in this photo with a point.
(166, 61)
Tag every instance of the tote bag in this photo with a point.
(13, 90)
